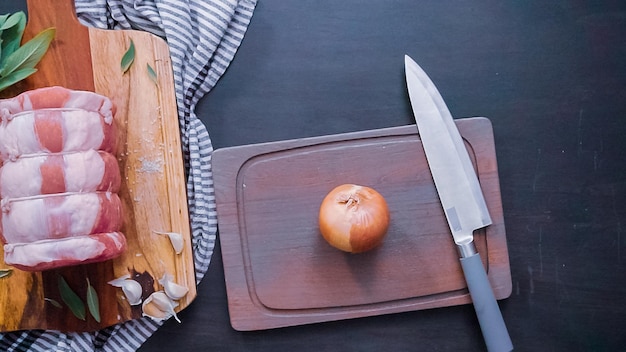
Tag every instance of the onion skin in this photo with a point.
(354, 218)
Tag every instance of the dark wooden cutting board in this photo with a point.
(149, 151)
(280, 272)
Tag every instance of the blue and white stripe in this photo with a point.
(203, 37)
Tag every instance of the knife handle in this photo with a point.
(487, 310)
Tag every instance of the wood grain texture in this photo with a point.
(280, 272)
(150, 155)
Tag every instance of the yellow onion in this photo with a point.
(354, 218)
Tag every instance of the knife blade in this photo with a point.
(460, 195)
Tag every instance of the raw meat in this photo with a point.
(59, 173)
(58, 97)
(55, 131)
(59, 179)
(57, 216)
(49, 254)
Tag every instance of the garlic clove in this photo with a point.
(175, 238)
(119, 282)
(131, 288)
(164, 302)
(151, 310)
(159, 307)
(172, 289)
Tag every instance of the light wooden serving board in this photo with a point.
(279, 270)
(150, 155)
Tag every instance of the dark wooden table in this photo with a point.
(551, 76)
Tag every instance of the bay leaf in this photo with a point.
(71, 299)
(5, 272)
(15, 19)
(11, 34)
(15, 77)
(3, 18)
(93, 302)
(152, 74)
(29, 54)
(53, 302)
(128, 58)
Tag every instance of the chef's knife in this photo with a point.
(460, 194)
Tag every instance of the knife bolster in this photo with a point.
(466, 249)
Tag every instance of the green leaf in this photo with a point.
(128, 58)
(71, 299)
(92, 302)
(152, 74)
(5, 272)
(29, 54)
(53, 302)
(15, 77)
(11, 35)
(16, 19)
(3, 18)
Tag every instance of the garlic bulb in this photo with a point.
(159, 306)
(131, 288)
(172, 289)
(175, 238)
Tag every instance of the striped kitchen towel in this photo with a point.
(203, 36)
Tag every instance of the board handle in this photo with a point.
(68, 60)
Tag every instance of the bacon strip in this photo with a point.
(58, 97)
(87, 171)
(55, 131)
(57, 216)
(49, 254)
(59, 179)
